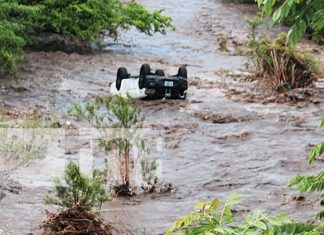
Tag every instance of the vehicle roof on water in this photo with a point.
(128, 87)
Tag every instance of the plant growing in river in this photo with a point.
(77, 194)
(77, 189)
(152, 183)
(254, 23)
(118, 120)
(281, 65)
(22, 140)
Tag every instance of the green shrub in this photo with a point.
(84, 20)
(15, 31)
(281, 65)
(209, 218)
(77, 189)
(22, 22)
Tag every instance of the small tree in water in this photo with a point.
(118, 120)
(77, 194)
(77, 189)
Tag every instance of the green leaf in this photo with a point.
(233, 198)
(300, 14)
(260, 225)
(315, 152)
(296, 32)
(277, 15)
(267, 9)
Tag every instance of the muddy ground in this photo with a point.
(212, 144)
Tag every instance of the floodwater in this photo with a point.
(208, 145)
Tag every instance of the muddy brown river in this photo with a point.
(208, 145)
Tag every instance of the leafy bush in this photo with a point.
(15, 26)
(22, 22)
(77, 189)
(209, 218)
(77, 194)
(300, 14)
(84, 20)
(281, 65)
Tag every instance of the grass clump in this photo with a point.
(282, 65)
(22, 140)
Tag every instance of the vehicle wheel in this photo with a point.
(121, 74)
(160, 72)
(144, 71)
(182, 72)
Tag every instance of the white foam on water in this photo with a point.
(128, 87)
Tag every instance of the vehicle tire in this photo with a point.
(121, 74)
(144, 71)
(182, 72)
(160, 72)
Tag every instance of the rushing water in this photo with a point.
(255, 157)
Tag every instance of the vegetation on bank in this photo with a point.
(24, 22)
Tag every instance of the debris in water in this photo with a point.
(75, 220)
(218, 118)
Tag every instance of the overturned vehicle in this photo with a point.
(157, 84)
